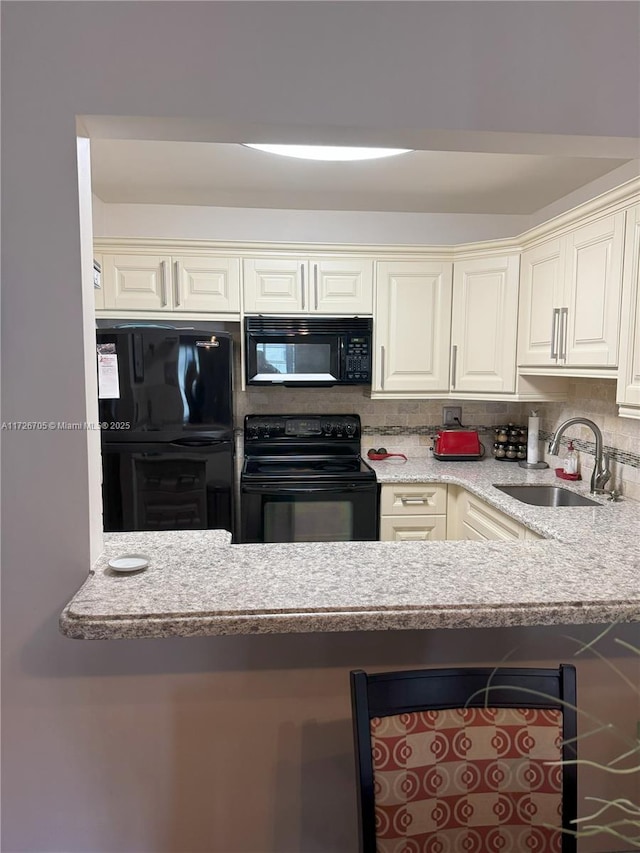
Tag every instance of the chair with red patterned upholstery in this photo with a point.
(466, 760)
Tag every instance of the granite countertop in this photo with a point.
(586, 570)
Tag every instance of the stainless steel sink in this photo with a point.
(546, 496)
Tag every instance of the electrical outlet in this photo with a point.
(451, 415)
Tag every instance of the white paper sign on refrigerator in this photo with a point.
(108, 383)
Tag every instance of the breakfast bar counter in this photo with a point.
(585, 570)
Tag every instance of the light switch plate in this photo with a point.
(449, 415)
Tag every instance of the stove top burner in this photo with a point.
(303, 447)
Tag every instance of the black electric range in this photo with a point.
(303, 480)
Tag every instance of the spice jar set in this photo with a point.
(510, 443)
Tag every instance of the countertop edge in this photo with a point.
(84, 628)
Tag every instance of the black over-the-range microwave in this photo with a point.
(308, 351)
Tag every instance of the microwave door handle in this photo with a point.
(302, 279)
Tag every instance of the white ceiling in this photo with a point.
(138, 171)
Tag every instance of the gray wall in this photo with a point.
(229, 744)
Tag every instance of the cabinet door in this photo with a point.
(341, 286)
(413, 311)
(416, 528)
(541, 291)
(484, 325)
(275, 286)
(629, 370)
(207, 284)
(591, 319)
(479, 521)
(136, 282)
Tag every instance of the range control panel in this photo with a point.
(302, 427)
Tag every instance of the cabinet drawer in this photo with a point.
(413, 528)
(413, 499)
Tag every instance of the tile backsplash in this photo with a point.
(596, 399)
(408, 425)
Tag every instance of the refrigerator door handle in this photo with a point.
(138, 358)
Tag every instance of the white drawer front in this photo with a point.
(413, 499)
(416, 528)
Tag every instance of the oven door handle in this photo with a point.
(296, 490)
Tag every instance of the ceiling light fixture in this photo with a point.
(328, 152)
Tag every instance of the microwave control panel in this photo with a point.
(357, 358)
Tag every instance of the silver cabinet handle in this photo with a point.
(176, 283)
(382, 368)
(554, 334)
(413, 501)
(564, 329)
(163, 267)
(454, 361)
(302, 277)
(315, 283)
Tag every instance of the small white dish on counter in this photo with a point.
(129, 563)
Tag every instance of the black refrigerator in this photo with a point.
(165, 409)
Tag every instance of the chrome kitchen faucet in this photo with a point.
(601, 473)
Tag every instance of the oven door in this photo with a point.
(309, 512)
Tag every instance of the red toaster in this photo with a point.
(458, 444)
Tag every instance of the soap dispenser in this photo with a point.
(571, 461)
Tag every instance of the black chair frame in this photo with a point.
(389, 693)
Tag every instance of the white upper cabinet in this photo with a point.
(446, 328)
(412, 328)
(541, 294)
(628, 394)
(300, 286)
(570, 298)
(593, 285)
(341, 286)
(169, 283)
(275, 285)
(206, 284)
(484, 325)
(136, 282)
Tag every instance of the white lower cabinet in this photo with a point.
(413, 528)
(411, 512)
(471, 518)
